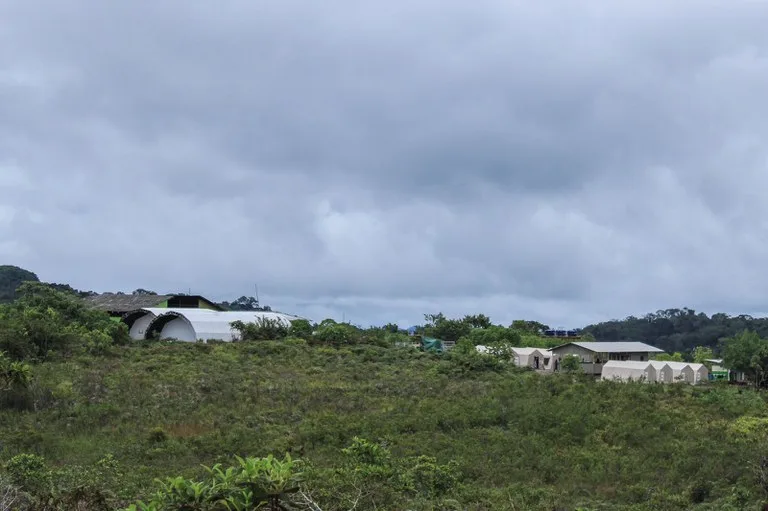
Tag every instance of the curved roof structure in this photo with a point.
(193, 324)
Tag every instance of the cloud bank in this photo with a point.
(568, 162)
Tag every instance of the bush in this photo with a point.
(263, 329)
(44, 321)
(301, 328)
(251, 484)
(335, 334)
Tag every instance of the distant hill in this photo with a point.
(11, 277)
(677, 329)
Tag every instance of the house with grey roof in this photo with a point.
(594, 354)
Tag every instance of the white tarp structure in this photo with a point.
(191, 325)
(138, 321)
(681, 372)
(677, 372)
(664, 371)
(621, 370)
(528, 357)
(549, 360)
(525, 357)
(700, 373)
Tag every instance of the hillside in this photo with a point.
(11, 277)
(678, 330)
(519, 440)
(90, 419)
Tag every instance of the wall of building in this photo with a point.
(139, 326)
(180, 329)
(591, 362)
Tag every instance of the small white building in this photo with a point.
(535, 358)
(687, 372)
(700, 373)
(677, 372)
(528, 357)
(625, 370)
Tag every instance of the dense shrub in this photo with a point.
(263, 329)
(43, 321)
(336, 334)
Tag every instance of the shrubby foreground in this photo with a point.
(377, 428)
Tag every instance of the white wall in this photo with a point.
(180, 329)
(139, 326)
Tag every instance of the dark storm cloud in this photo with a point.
(567, 161)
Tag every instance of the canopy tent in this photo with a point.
(678, 371)
(622, 370)
(529, 357)
(681, 372)
(700, 373)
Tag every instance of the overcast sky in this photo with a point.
(564, 161)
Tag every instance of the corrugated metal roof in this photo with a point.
(615, 347)
(114, 302)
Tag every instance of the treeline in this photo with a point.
(678, 329)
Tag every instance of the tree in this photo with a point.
(747, 352)
(570, 364)
(445, 329)
(494, 335)
(478, 321)
(666, 357)
(44, 320)
(533, 327)
(143, 292)
(11, 277)
(701, 354)
(300, 328)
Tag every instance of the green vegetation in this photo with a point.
(678, 330)
(333, 417)
(11, 277)
(45, 322)
(458, 431)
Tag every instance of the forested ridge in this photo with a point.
(678, 330)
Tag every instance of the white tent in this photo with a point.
(625, 371)
(678, 371)
(550, 360)
(665, 373)
(528, 357)
(700, 373)
(681, 372)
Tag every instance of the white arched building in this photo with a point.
(191, 325)
(138, 321)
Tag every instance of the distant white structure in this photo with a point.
(629, 371)
(191, 325)
(534, 358)
(594, 354)
(528, 357)
(680, 372)
(138, 321)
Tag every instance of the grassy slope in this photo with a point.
(523, 441)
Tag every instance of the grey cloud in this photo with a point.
(568, 161)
